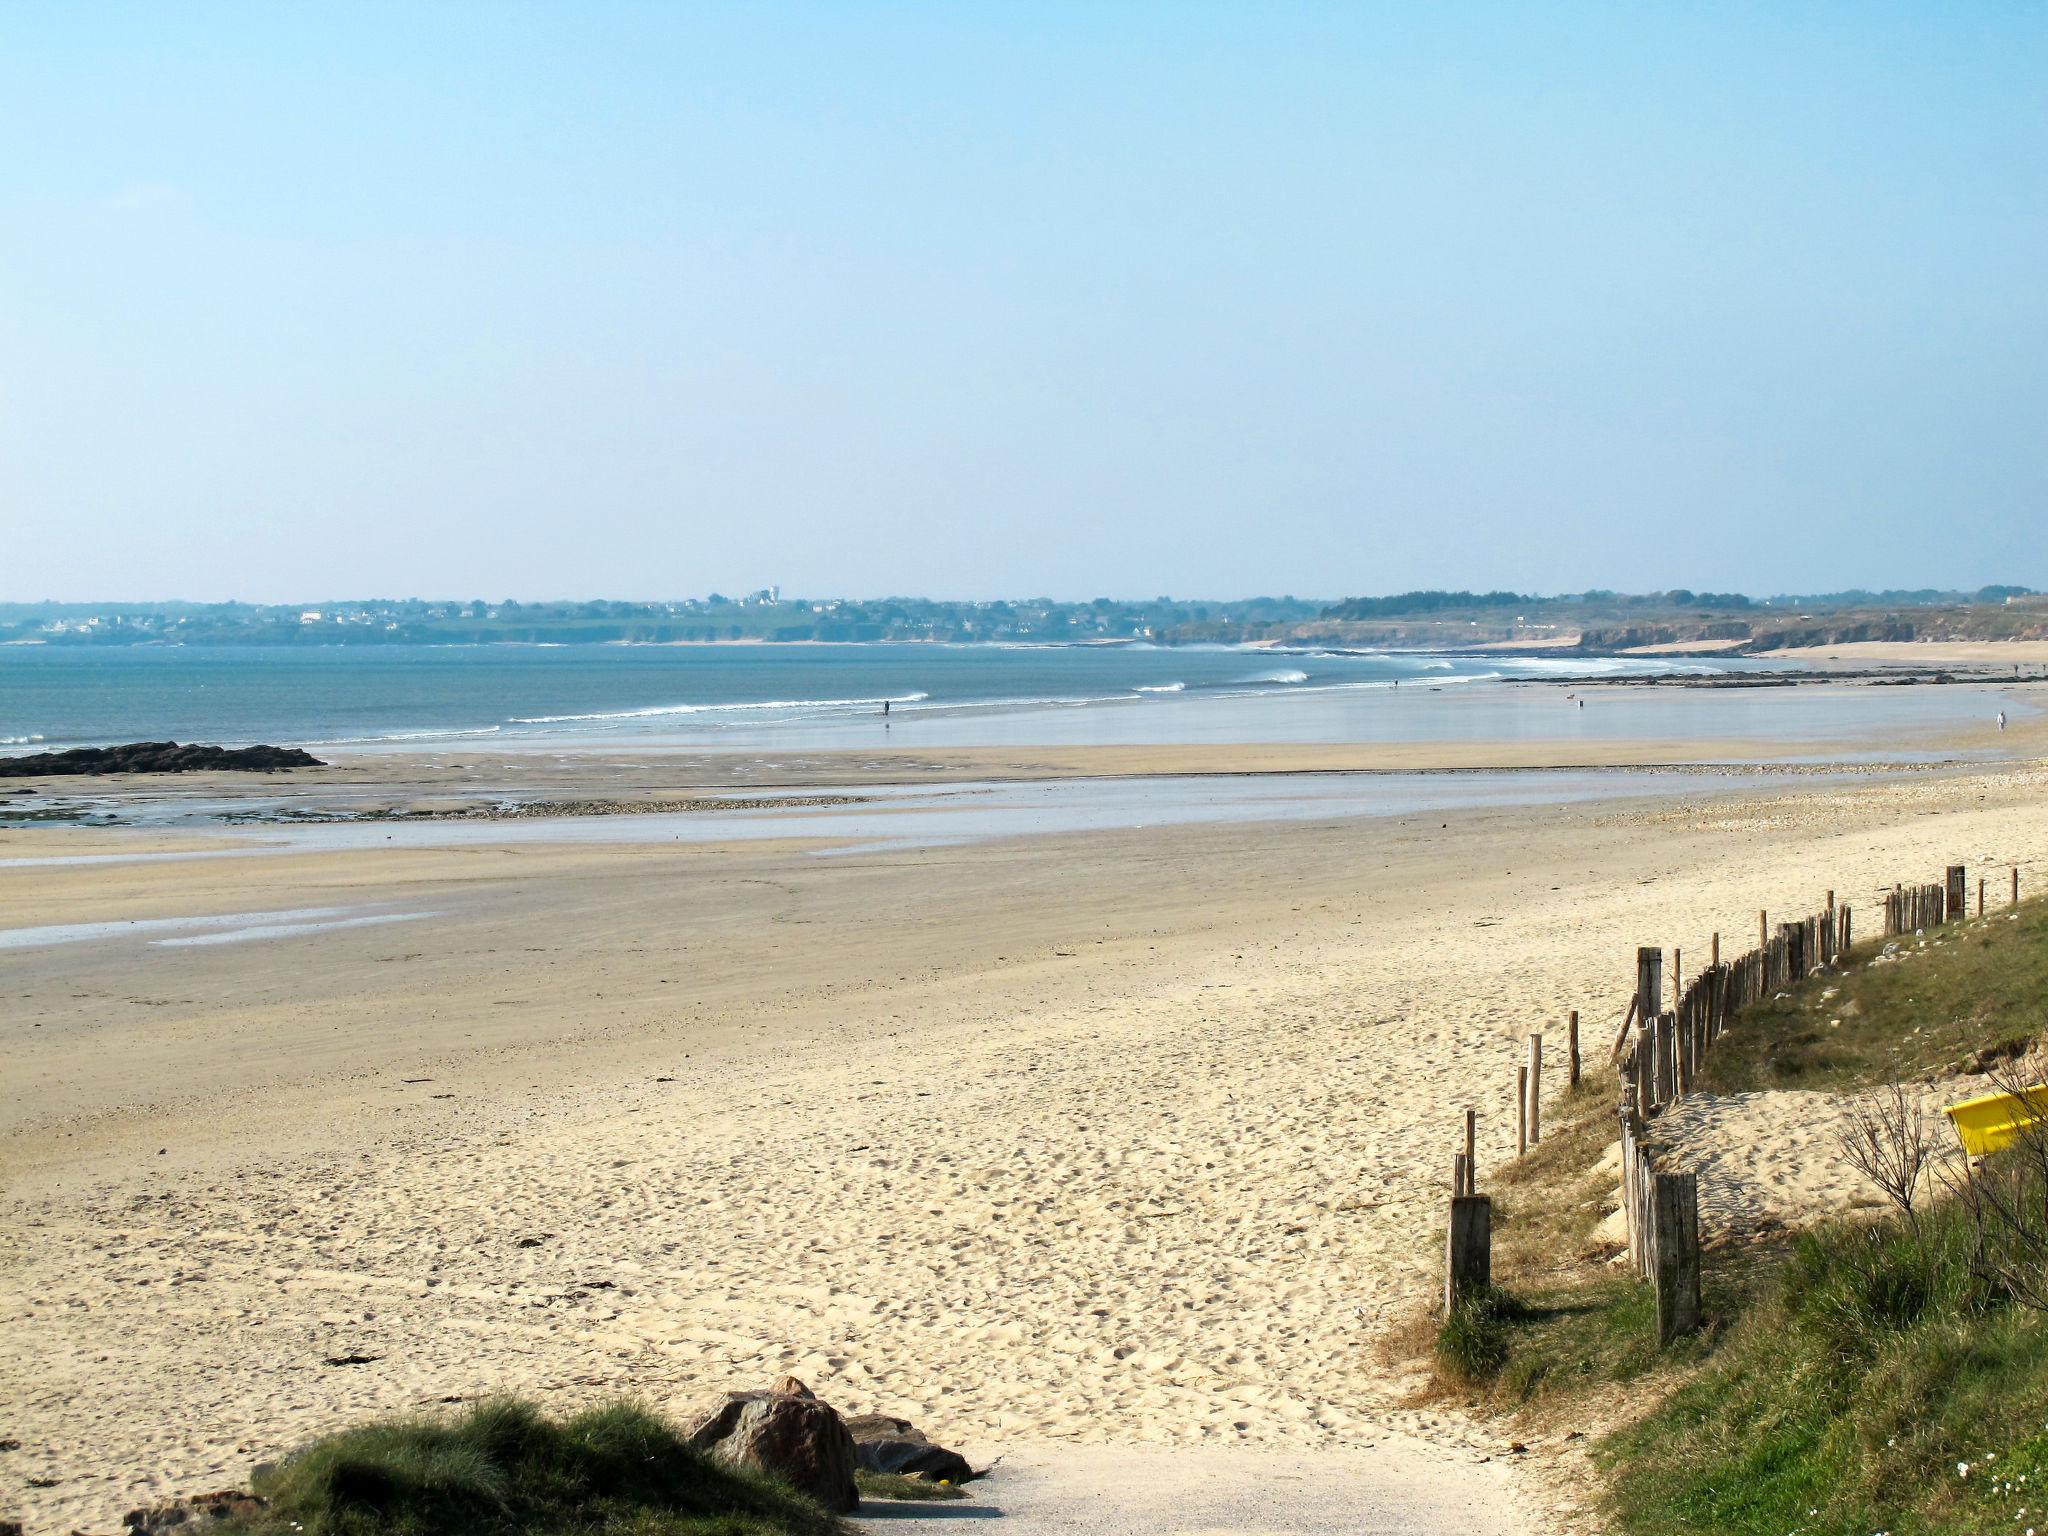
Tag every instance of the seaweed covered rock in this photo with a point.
(157, 757)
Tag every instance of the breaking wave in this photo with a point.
(654, 711)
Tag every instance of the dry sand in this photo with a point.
(1999, 655)
(1131, 1138)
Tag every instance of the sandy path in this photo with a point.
(1394, 1487)
(1135, 1138)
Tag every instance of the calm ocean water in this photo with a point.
(777, 697)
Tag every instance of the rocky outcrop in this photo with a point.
(192, 1513)
(156, 757)
(884, 1444)
(788, 1435)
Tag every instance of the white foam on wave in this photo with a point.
(1160, 688)
(19, 741)
(1279, 675)
(357, 741)
(654, 711)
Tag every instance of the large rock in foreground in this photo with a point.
(193, 1513)
(884, 1444)
(156, 757)
(790, 1436)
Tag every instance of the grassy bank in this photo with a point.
(1867, 1375)
(504, 1469)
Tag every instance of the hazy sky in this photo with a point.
(305, 301)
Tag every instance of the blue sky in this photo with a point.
(976, 300)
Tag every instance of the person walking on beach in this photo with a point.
(2001, 719)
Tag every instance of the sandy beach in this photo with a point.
(1132, 1138)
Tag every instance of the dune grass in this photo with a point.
(504, 1469)
(1956, 999)
(1864, 1376)
(1846, 1400)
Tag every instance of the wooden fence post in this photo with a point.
(1472, 1148)
(1468, 1249)
(1677, 974)
(1461, 1175)
(1763, 929)
(2015, 885)
(1980, 895)
(1572, 1051)
(1675, 1238)
(1649, 984)
(1717, 948)
(1521, 1111)
(1957, 904)
(1535, 1070)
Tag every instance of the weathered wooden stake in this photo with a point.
(1468, 1249)
(1572, 1051)
(1649, 983)
(1472, 1148)
(1956, 903)
(1717, 948)
(1675, 1240)
(1763, 930)
(1677, 974)
(1980, 895)
(1621, 1035)
(1461, 1175)
(2015, 885)
(1535, 1071)
(1521, 1111)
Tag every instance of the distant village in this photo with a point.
(1595, 620)
(764, 615)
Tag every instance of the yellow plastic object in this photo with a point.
(1985, 1125)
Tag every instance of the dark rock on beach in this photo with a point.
(789, 1435)
(157, 757)
(885, 1444)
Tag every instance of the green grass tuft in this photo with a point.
(1472, 1344)
(503, 1469)
(895, 1485)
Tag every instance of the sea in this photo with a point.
(429, 699)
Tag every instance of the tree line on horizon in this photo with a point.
(769, 616)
